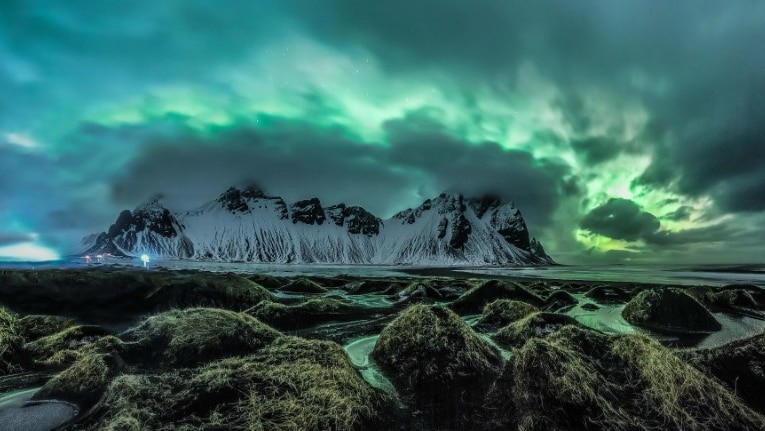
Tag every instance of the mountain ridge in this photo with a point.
(245, 224)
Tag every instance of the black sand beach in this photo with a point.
(123, 349)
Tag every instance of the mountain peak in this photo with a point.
(153, 202)
(244, 224)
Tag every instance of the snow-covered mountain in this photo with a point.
(247, 225)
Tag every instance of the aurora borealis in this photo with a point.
(623, 130)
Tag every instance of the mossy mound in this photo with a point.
(187, 338)
(503, 312)
(309, 313)
(268, 281)
(82, 383)
(63, 348)
(13, 358)
(303, 285)
(724, 299)
(560, 301)
(417, 291)
(580, 379)
(474, 300)
(429, 353)
(107, 295)
(740, 365)
(362, 287)
(228, 291)
(535, 325)
(669, 310)
(40, 325)
(607, 294)
(290, 385)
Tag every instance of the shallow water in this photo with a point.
(17, 415)
(652, 274)
(607, 318)
(359, 351)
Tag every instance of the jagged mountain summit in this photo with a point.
(247, 225)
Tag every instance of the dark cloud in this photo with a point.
(681, 214)
(297, 160)
(621, 219)
(10, 238)
(696, 70)
(596, 150)
(722, 158)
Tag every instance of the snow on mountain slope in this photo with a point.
(246, 225)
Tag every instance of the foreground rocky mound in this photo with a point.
(534, 325)
(503, 312)
(309, 313)
(183, 338)
(432, 355)
(211, 369)
(579, 379)
(13, 359)
(474, 300)
(671, 310)
(740, 365)
(116, 297)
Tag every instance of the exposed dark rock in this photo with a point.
(308, 211)
(483, 204)
(356, 219)
(461, 230)
(442, 225)
(232, 200)
(512, 227)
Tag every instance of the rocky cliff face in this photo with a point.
(246, 224)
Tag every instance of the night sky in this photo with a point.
(625, 131)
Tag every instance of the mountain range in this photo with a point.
(247, 225)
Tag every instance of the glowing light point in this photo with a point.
(145, 260)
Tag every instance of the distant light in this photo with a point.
(28, 252)
(145, 260)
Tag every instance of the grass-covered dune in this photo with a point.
(181, 350)
(670, 310)
(578, 379)
(438, 361)
(114, 297)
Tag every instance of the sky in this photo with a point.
(624, 131)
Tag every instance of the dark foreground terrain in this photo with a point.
(102, 349)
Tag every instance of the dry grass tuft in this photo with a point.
(290, 385)
(13, 358)
(503, 312)
(580, 379)
(534, 325)
(183, 338)
(474, 300)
